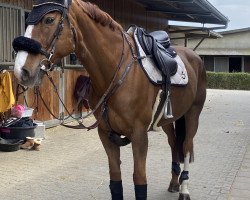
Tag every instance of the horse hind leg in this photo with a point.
(174, 183)
(190, 126)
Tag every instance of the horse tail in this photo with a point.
(180, 130)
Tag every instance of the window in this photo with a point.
(235, 64)
(209, 63)
(11, 26)
(221, 64)
(72, 60)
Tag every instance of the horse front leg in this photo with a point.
(140, 148)
(113, 153)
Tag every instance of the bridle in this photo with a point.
(114, 84)
(52, 45)
(46, 64)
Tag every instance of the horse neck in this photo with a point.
(99, 49)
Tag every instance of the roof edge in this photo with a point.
(235, 31)
(213, 9)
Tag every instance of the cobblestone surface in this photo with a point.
(72, 164)
(240, 189)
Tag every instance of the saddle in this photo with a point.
(157, 45)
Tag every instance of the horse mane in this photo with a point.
(94, 12)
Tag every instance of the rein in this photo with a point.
(113, 86)
(32, 46)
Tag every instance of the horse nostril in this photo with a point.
(25, 74)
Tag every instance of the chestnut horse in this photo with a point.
(106, 52)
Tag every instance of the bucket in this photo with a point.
(9, 145)
(18, 132)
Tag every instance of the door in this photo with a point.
(221, 64)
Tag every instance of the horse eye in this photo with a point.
(49, 20)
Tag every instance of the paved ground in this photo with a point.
(73, 165)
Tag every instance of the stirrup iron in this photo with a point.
(168, 112)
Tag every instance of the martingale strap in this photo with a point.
(102, 103)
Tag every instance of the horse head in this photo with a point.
(48, 38)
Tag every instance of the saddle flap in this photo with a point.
(145, 41)
(148, 42)
(165, 60)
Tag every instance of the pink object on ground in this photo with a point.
(17, 111)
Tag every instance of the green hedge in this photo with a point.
(231, 81)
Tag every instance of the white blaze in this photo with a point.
(22, 55)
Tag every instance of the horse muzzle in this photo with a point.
(29, 79)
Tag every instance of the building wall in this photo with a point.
(235, 44)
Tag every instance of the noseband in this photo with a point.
(34, 47)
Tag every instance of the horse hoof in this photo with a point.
(184, 197)
(174, 187)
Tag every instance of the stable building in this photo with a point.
(230, 53)
(150, 14)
